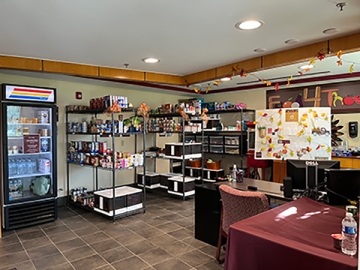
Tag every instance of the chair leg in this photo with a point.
(220, 238)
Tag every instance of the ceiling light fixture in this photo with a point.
(151, 60)
(292, 41)
(330, 31)
(260, 50)
(307, 67)
(225, 79)
(249, 25)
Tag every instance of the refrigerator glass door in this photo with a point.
(29, 158)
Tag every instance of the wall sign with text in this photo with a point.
(340, 97)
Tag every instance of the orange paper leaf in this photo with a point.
(339, 62)
(339, 54)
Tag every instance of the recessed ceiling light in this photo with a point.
(291, 41)
(330, 31)
(260, 50)
(151, 60)
(225, 79)
(249, 25)
(307, 66)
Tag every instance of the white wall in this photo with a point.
(66, 87)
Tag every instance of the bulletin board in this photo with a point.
(293, 133)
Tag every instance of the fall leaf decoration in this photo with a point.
(115, 108)
(351, 69)
(237, 70)
(312, 61)
(204, 116)
(339, 54)
(335, 133)
(208, 88)
(143, 111)
(320, 56)
(289, 80)
(181, 110)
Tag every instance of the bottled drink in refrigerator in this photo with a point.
(11, 167)
(33, 166)
(28, 166)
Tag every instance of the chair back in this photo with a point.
(238, 205)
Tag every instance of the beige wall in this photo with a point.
(254, 99)
(344, 121)
(66, 88)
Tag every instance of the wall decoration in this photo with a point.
(239, 71)
(295, 133)
(340, 97)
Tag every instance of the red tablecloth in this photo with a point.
(294, 236)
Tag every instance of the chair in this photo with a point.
(237, 205)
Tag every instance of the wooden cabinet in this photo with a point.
(279, 171)
(348, 162)
(279, 167)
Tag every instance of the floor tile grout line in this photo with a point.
(27, 254)
(87, 245)
(58, 249)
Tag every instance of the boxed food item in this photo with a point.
(44, 165)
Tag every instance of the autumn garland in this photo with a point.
(238, 71)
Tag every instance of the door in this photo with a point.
(28, 156)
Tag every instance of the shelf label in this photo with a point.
(31, 144)
(30, 93)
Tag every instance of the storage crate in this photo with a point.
(126, 199)
(196, 148)
(176, 149)
(152, 180)
(193, 172)
(233, 150)
(216, 140)
(164, 179)
(178, 187)
(213, 174)
(232, 140)
(217, 149)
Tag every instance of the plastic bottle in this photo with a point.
(349, 228)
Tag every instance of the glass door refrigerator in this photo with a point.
(28, 167)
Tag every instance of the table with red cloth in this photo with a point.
(294, 236)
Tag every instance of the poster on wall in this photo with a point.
(293, 133)
(340, 97)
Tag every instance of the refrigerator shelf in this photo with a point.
(28, 175)
(27, 194)
(105, 169)
(26, 155)
(22, 137)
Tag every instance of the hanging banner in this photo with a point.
(340, 97)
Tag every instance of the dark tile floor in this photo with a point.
(162, 238)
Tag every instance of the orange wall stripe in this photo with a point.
(70, 68)
(118, 73)
(20, 63)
